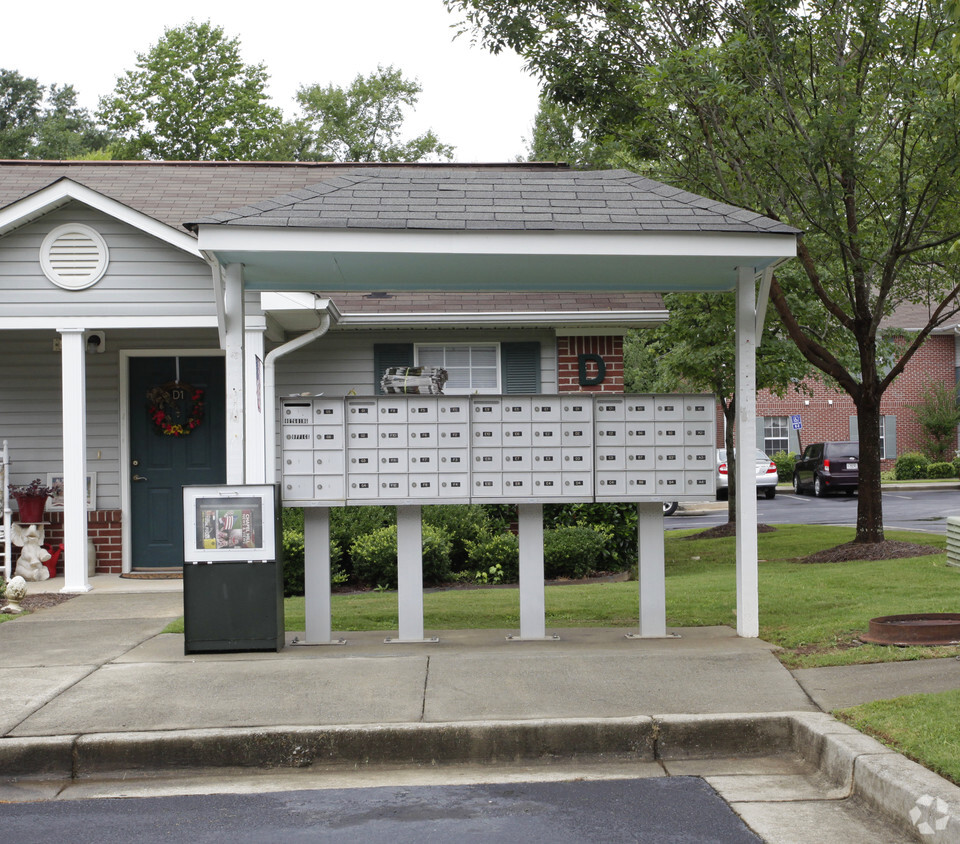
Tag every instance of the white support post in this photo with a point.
(73, 366)
(316, 575)
(748, 590)
(254, 424)
(410, 575)
(532, 605)
(233, 347)
(651, 573)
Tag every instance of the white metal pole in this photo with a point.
(748, 590)
(254, 451)
(532, 604)
(651, 572)
(74, 393)
(234, 364)
(410, 573)
(316, 574)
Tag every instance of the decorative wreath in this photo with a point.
(166, 407)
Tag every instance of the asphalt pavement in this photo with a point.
(96, 701)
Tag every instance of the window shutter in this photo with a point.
(890, 436)
(794, 441)
(386, 355)
(854, 431)
(520, 367)
(760, 438)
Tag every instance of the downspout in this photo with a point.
(269, 391)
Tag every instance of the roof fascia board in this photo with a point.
(252, 239)
(547, 319)
(104, 322)
(55, 195)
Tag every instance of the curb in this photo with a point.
(915, 800)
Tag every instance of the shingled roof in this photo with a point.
(484, 199)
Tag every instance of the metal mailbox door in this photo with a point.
(517, 459)
(487, 484)
(392, 411)
(394, 486)
(393, 460)
(297, 463)
(577, 410)
(422, 435)
(424, 460)
(454, 486)
(362, 461)
(328, 488)
(641, 459)
(487, 436)
(328, 462)
(392, 436)
(610, 410)
(698, 408)
(328, 437)
(640, 433)
(546, 409)
(486, 411)
(487, 460)
(546, 459)
(297, 439)
(450, 409)
(611, 458)
(453, 434)
(519, 409)
(328, 411)
(362, 487)
(577, 485)
(640, 409)
(517, 434)
(422, 411)
(454, 459)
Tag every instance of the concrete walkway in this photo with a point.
(92, 691)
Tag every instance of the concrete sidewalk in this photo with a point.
(91, 690)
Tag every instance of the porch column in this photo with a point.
(73, 368)
(316, 574)
(532, 603)
(651, 574)
(234, 365)
(748, 589)
(256, 404)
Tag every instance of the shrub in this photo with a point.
(956, 466)
(571, 551)
(293, 563)
(910, 466)
(375, 556)
(463, 523)
(501, 550)
(941, 470)
(347, 524)
(618, 522)
(786, 463)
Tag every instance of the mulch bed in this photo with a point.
(40, 601)
(727, 529)
(887, 550)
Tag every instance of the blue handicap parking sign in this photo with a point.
(795, 422)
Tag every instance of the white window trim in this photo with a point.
(453, 391)
(785, 438)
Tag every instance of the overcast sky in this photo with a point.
(482, 104)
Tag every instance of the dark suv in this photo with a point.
(828, 467)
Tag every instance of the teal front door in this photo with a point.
(177, 437)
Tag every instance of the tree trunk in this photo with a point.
(730, 414)
(870, 504)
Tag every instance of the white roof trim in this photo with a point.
(64, 190)
(480, 319)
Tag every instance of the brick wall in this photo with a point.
(610, 349)
(827, 416)
(103, 527)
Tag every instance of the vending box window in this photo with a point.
(233, 569)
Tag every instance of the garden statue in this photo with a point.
(16, 592)
(30, 566)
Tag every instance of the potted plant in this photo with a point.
(31, 499)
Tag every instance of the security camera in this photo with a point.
(97, 342)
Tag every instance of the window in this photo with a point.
(471, 368)
(776, 434)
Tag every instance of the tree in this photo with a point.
(557, 136)
(835, 116)
(20, 99)
(191, 97)
(695, 349)
(362, 122)
(65, 130)
(938, 414)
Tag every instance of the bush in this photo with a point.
(347, 524)
(293, 563)
(786, 463)
(501, 550)
(941, 470)
(571, 552)
(618, 523)
(464, 523)
(375, 556)
(956, 466)
(910, 466)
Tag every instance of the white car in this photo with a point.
(766, 475)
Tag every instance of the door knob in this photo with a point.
(139, 478)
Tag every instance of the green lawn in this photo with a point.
(923, 727)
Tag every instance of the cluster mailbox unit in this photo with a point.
(521, 449)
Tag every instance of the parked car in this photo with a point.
(670, 507)
(766, 475)
(828, 467)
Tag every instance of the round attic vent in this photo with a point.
(74, 256)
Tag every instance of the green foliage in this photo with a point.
(347, 524)
(492, 576)
(191, 97)
(941, 470)
(786, 463)
(910, 466)
(363, 121)
(956, 465)
(293, 563)
(20, 99)
(571, 551)
(463, 523)
(617, 523)
(939, 414)
(375, 556)
(500, 551)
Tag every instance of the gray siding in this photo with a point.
(30, 401)
(145, 276)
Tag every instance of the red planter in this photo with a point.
(31, 507)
